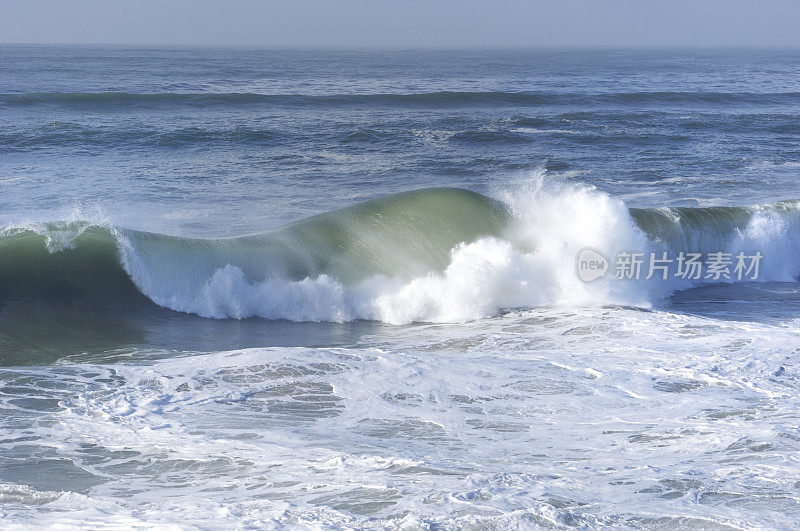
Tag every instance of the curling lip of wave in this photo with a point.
(434, 254)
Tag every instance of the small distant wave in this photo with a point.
(535, 131)
(441, 98)
(430, 255)
(65, 133)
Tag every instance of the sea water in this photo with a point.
(246, 288)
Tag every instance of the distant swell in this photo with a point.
(443, 98)
(430, 255)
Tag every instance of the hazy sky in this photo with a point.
(410, 23)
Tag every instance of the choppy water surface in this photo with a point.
(339, 289)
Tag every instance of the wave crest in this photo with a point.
(428, 255)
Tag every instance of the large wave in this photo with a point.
(441, 254)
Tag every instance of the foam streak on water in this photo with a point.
(525, 419)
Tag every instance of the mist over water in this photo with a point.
(265, 288)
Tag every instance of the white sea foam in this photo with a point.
(535, 418)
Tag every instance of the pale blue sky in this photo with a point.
(410, 23)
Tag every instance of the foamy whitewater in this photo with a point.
(335, 290)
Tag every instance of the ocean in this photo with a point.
(417, 289)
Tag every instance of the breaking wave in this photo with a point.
(440, 254)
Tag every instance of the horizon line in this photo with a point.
(492, 47)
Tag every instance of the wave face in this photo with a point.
(429, 255)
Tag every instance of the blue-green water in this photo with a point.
(212, 140)
(336, 288)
